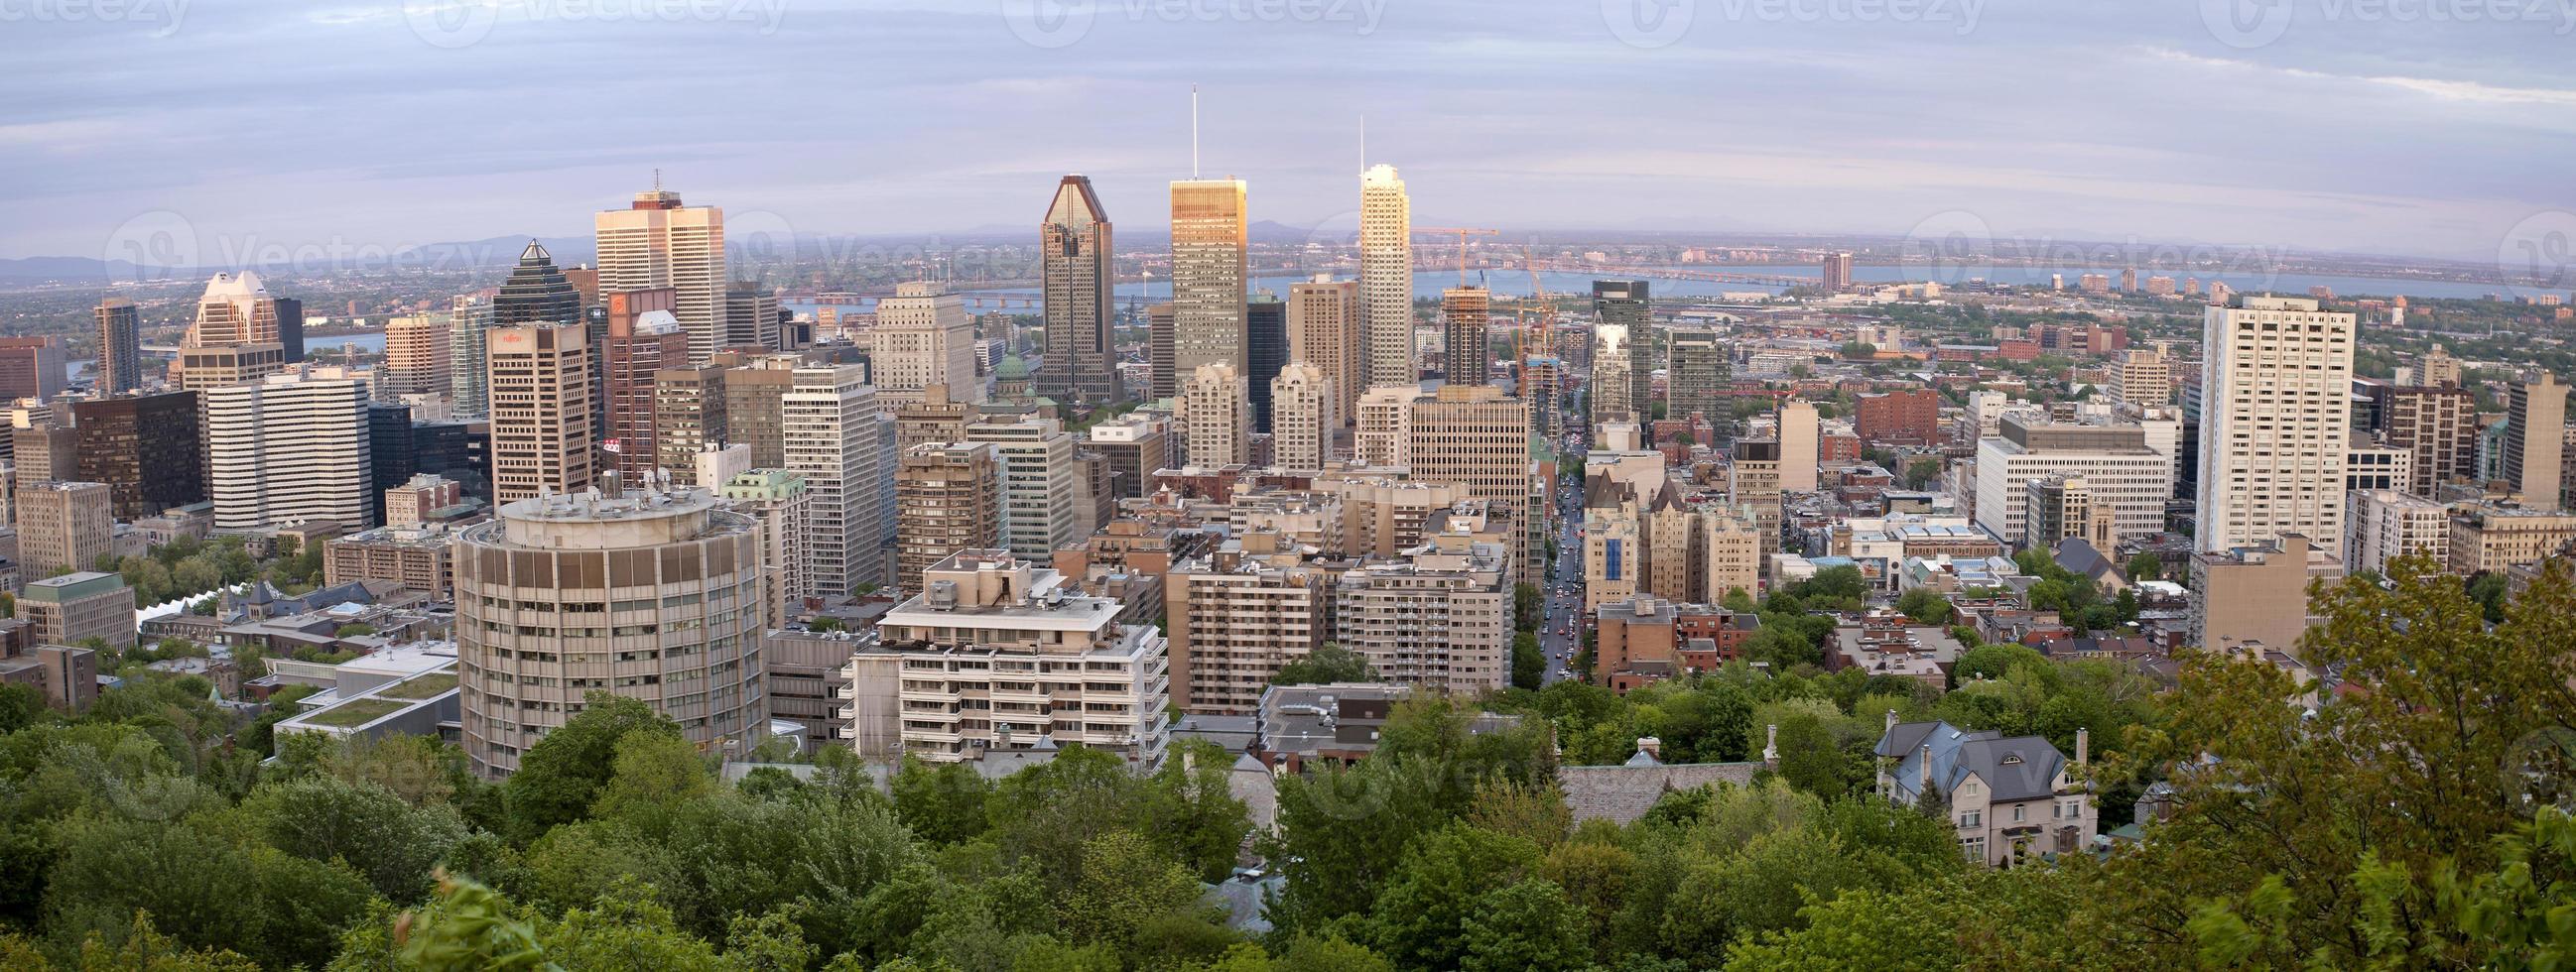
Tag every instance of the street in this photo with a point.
(1561, 636)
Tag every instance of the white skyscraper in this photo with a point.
(659, 243)
(828, 428)
(1305, 410)
(923, 337)
(287, 451)
(1386, 277)
(1038, 483)
(1216, 409)
(2274, 423)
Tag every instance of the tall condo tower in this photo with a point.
(1386, 277)
(2274, 423)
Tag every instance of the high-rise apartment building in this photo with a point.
(2278, 379)
(1699, 375)
(1798, 444)
(548, 591)
(751, 318)
(1837, 272)
(2437, 368)
(1383, 432)
(1440, 618)
(416, 357)
(32, 367)
(2387, 523)
(994, 655)
(1236, 616)
(1216, 409)
(541, 410)
(828, 431)
(1304, 415)
(1079, 278)
(2118, 467)
(2535, 439)
(688, 418)
(923, 337)
(1753, 486)
(63, 526)
(776, 500)
(120, 347)
(657, 242)
(2438, 425)
(1209, 275)
(1038, 484)
(934, 419)
(949, 498)
(2144, 377)
(1624, 304)
(1324, 331)
(146, 448)
(1386, 278)
(1161, 352)
(1135, 446)
(286, 451)
(1479, 438)
(1464, 313)
(1898, 418)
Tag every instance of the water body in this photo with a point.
(1427, 284)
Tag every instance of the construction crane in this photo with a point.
(1463, 234)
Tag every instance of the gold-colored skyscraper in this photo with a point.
(1209, 275)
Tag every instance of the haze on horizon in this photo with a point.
(2409, 131)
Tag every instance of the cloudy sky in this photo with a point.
(2425, 127)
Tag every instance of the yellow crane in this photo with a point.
(1462, 234)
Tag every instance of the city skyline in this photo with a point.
(1845, 126)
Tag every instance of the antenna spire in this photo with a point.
(657, 180)
(1364, 142)
(1194, 130)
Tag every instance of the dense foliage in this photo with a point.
(2408, 816)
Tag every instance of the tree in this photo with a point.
(1921, 472)
(1925, 605)
(1437, 886)
(1529, 607)
(944, 802)
(1190, 811)
(1529, 663)
(562, 774)
(2145, 566)
(1328, 664)
(391, 843)
(1526, 925)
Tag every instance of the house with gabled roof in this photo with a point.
(2008, 797)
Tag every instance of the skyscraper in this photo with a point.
(643, 338)
(1160, 354)
(1463, 314)
(949, 495)
(2535, 440)
(688, 418)
(541, 410)
(286, 451)
(1038, 484)
(1075, 267)
(1698, 375)
(1386, 277)
(1216, 408)
(1623, 304)
(923, 337)
(241, 328)
(469, 326)
(537, 293)
(1607, 394)
(120, 361)
(417, 358)
(63, 525)
(1479, 438)
(750, 316)
(2277, 374)
(657, 242)
(1265, 323)
(828, 431)
(1305, 410)
(145, 448)
(1209, 237)
(1324, 331)
(32, 367)
(1837, 271)
(1798, 446)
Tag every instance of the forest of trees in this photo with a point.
(2414, 820)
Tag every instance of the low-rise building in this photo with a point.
(78, 606)
(2010, 798)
